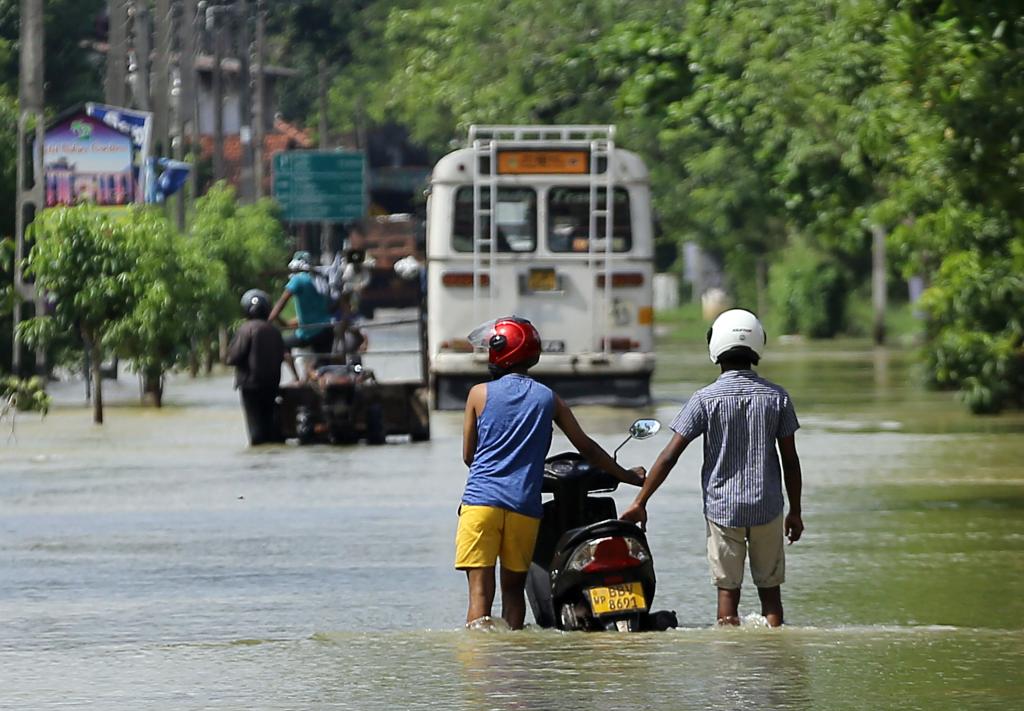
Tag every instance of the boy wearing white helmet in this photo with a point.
(747, 422)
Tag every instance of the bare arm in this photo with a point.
(275, 313)
(591, 450)
(793, 479)
(637, 511)
(474, 406)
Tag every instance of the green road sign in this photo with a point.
(319, 186)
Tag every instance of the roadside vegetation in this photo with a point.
(781, 137)
(135, 288)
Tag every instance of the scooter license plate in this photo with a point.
(617, 598)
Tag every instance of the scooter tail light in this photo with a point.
(611, 553)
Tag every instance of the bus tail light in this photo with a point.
(620, 344)
(622, 279)
(464, 279)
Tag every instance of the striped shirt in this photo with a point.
(741, 415)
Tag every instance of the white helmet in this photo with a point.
(736, 328)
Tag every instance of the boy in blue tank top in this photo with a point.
(506, 435)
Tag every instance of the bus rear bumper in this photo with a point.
(617, 379)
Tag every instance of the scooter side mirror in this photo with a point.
(641, 429)
(644, 428)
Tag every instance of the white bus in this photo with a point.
(551, 223)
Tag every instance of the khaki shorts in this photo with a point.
(486, 533)
(727, 551)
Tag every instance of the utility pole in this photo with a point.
(218, 93)
(878, 282)
(212, 26)
(325, 227)
(185, 108)
(115, 88)
(245, 137)
(163, 31)
(194, 21)
(259, 112)
(139, 70)
(30, 194)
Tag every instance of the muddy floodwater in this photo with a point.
(158, 563)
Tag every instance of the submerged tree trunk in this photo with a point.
(878, 285)
(222, 345)
(193, 358)
(153, 387)
(95, 372)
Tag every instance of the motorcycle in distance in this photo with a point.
(591, 571)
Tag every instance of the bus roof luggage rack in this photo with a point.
(537, 135)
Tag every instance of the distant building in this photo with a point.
(283, 136)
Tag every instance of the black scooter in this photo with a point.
(591, 571)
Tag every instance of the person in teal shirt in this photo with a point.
(313, 329)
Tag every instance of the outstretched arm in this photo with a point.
(275, 312)
(793, 478)
(591, 450)
(637, 511)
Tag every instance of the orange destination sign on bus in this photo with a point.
(549, 161)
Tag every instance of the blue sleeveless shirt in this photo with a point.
(513, 437)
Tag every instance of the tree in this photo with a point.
(456, 63)
(314, 32)
(72, 73)
(182, 299)
(247, 239)
(86, 265)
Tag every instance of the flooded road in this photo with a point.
(157, 562)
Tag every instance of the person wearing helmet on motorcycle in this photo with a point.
(747, 423)
(313, 329)
(257, 351)
(506, 435)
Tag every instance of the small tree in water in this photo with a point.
(183, 298)
(86, 264)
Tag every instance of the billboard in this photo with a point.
(84, 160)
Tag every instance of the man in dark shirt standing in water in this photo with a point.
(257, 352)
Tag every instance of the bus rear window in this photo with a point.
(569, 220)
(516, 219)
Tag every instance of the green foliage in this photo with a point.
(527, 61)
(72, 71)
(8, 161)
(778, 131)
(808, 292)
(86, 264)
(181, 301)
(977, 329)
(25, 395)
(343, 34)
(248, 240)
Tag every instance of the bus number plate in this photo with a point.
(543, 280)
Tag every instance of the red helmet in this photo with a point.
(514, 342)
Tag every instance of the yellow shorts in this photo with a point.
(486, 533)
